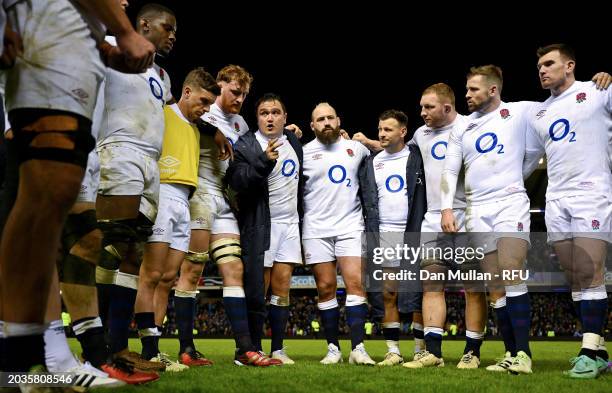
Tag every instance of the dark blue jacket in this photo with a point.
(409, 298)
(247, 176)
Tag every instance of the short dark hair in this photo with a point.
(153, 9)
(564, 49)
(400, 116)
(267, 98)
(492, 73)
(199, 77)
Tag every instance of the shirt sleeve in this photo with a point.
(452, 167)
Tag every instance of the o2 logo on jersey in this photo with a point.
(435, 150)
(564, 125)
(487, 142)
(337, 175)
(394, 183)
(288, 168)
(156, 89)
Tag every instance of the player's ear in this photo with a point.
(338, 117)
(312, 125)
(404, 131)
(447, 108)
(570, 65)
(144, 25)
(187, 91)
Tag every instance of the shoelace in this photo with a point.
(467, 358)
(123, 365)
(420, 355)
(163, 358)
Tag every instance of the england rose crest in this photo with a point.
(580, 97)
(504, 113)
(595, 225)
(519, 227)
(350, 152)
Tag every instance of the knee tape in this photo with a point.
(106, 276)
(110, 258)
(76, 270)
(76, 227)
(197, 257)
(52, 135)
(280, 301)
(225, 250)
(126, 230)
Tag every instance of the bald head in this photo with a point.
(325, 123)
(322, 107)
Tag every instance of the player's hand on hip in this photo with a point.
(448, 222)
(137, 52)
(295, 129)
(13, 47)
(602, 80)
(271, 151)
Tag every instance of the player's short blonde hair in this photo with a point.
(492, 73)
(443, 91)
(236, 73)
(199, 77)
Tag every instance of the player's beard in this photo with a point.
(327, 138)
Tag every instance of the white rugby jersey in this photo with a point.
(432, 143)
(331, 200)
(134, 108)
(211, 169)
(575, 131)
(390, 175)
(492, 148)
(283, 182)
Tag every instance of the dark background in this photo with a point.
(366, 60)
(369, 58)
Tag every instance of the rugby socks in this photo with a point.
(330, 316)
(504, 325)
(279, 314)
(22, 345)
(419, 337)
(121, 309)
(58, 356)
(148, 333)
(90, 333)
(184, 307)
(519, 310)
(594, 308)
(235, 306)
(356, 314)
(473, 341)
(433, 340)
(391, 332)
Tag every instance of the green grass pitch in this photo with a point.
(307, 375)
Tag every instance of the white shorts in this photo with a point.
(284, 244)
(91, 179)
(579, 216)
(61, 67)
(431, 229)
(327, 249)
(128, 171)
(508, 217)
(172, 222)
(213, 213)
